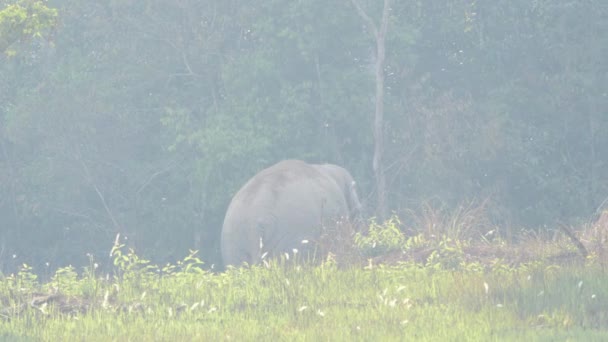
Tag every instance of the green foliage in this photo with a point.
(25, 279)
(381, 238)
(23, 20)
(65, 280)
(443, 237)
(448, 255)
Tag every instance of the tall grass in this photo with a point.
(461, 289)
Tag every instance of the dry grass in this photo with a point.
(336, 244)
(468, 221)
(469, 231)
(594, 236)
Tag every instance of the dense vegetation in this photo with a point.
(144, 117)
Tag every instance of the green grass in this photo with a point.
(402, 302)
(447, 288)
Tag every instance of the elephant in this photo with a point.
(285, 207)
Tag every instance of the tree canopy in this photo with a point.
(145, 117)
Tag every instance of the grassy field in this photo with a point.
(417, 289)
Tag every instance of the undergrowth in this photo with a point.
(433, 285)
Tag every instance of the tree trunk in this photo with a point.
(378, 162)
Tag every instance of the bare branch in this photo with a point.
(151, 178)
(579, 245)
(365, 17)
(185, 59)
(99, 193)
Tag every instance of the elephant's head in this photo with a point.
(347, 184)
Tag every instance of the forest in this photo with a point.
(145, 117)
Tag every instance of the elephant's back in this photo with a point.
(290, 182)
(285, 177)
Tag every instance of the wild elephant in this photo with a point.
(285, 206)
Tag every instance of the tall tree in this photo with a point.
(379, 32)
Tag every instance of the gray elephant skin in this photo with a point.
(282, 207)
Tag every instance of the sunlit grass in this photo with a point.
(323, 302)
(461, 289)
